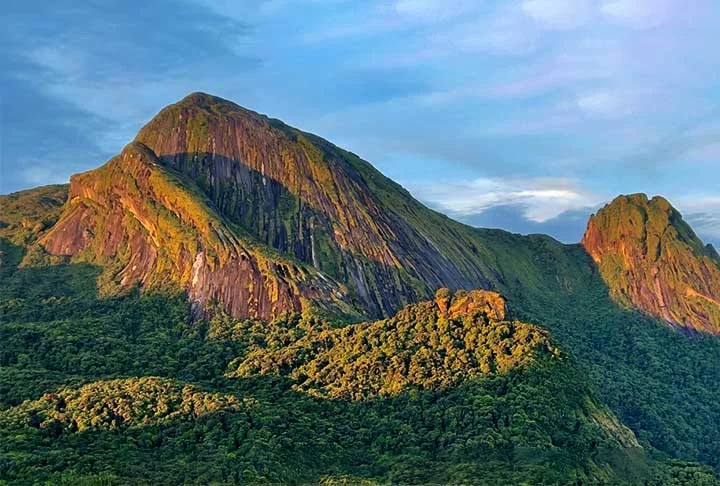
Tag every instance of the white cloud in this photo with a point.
(124, 102)
(616, 103)
(542, 198)
(605, 104)
(703, 214)
(559, 14)
(640, 14)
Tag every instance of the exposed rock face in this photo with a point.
(491, 304)
(322, 205)
(151, 228)
(652, 260)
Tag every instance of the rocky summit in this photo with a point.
(652, 260)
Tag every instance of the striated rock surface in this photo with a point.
(151, 228)
(297, 197)
(322, 205)
(236, 207)
(652, 260)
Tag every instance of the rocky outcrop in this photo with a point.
(451, 305)
(651, 260)
(295, 196)
(236, 207)
(152, 228)
(455, 338)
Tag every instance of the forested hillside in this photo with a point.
(132, 390)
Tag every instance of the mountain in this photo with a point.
(27, 214)
(652, 260)
(310, 199)
(233, 300)
(210, 191)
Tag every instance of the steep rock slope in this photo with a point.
(635, 363)
(652, 260)
(315, 203)
(325, 206)
(149, 227)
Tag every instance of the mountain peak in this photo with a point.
(305, 197)
(210, 103)
(200, 102)
(206, 182)
(201, 98)
(652, 260)
(137, 150)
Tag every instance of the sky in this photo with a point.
(526, 115)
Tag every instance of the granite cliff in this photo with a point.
(652, 260)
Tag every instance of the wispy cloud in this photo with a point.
(561, 14)
(703, 214)
(38, 175)
(641, 14)
(541, 198)
(614, 104)
(545, 103)
(80, 83)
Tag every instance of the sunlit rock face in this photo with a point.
(653, 261)
(149, 228)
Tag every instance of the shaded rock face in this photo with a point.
(302, 195)
(651, 259)
(151, 228)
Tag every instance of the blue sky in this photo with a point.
(521, 114)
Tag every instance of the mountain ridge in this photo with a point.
(304, 196)
(313, 202)
(316, 203)
(278, 244)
